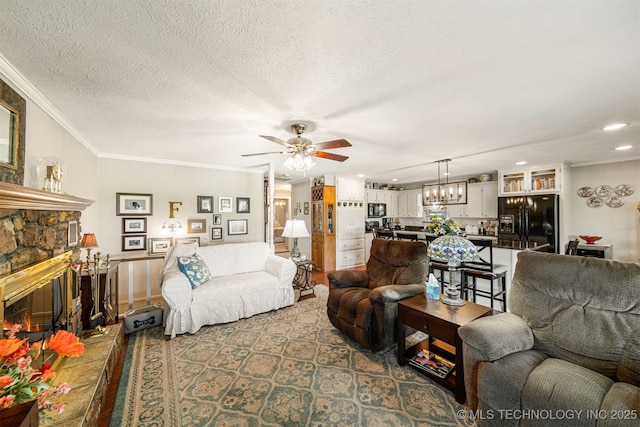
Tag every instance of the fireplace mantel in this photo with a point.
(14, 196)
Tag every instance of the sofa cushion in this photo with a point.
(629, 366)
(556, 384)
(195, 269)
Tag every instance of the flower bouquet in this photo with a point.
(20, 382)
(441, 226)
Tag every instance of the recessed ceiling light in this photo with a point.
(615, 126)
(360, 175)
(394, 179)
(624, 147)
(521, 163)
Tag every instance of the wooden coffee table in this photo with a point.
(440, 322)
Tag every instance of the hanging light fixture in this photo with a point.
(447, 193)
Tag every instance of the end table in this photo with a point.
(302, 280)
(440, 322)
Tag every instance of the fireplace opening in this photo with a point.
(42, 299)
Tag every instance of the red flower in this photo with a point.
(9, 346)
(66, 344)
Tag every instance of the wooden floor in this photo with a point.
(105, 414)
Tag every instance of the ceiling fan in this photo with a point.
(304, 148)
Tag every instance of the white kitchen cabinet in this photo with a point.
(482, 202)
(388, 197)
(368, 238)
(543, 179)
(350, 253)
(351, 189)
(410, 204)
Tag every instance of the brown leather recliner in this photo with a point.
(363, 304)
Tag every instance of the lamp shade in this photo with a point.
(89, 241)
(452, 247)
(295, 228)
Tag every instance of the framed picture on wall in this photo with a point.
(134, 225)
(134, 243)
(196, 226)
(160, 245)
(216, 233)
(134, 204)
(72, 235)
(179, 240)
(217, 219)
(242, 204)
(237, 226)
(224, 204)
(205, 204)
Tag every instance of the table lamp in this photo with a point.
(295, 228)
(454, 250)
(89, 242)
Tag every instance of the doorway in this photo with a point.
(280, 216)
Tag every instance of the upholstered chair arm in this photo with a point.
(497, 336)
(488, 339)
(176, 289)
(348, 279)
(394, 293)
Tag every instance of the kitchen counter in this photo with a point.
(423, 234)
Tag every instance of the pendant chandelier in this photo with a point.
(447, 193)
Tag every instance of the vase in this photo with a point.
(22, 415)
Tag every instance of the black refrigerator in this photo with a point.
(529, 222)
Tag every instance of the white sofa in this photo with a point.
(247, 279)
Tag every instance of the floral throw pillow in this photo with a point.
(195, 269)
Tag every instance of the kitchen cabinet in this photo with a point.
(544, 179)
(410, 204)
(388, 197)
(368, 238)
(323, 223)
(482, 202)
(350, 235)
(350, 189)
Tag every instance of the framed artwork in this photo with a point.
(134, 225)
(217, 219)
(224, 204)
(179, 240)
(72, 237)
(216, 233)
(242, 204)
(205, 204)
(134, 204)
(160, 245)
(237, 226)
(196, 226)
(134, 243)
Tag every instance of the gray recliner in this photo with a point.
(570, 345)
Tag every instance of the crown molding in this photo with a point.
(20, 82)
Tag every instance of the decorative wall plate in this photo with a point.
(585, 192)
(615, 201)
(604, 190)
(624, 190)
(594, 202)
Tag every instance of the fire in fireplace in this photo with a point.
(42, 298)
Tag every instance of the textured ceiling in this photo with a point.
(485, 83)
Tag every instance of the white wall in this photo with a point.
(301, 193)
(617, 226)
(175, 183)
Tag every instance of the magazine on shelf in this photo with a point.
(432, 363)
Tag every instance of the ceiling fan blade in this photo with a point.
(274, 139)
(260, 154)
(331, 156)
(336, 143)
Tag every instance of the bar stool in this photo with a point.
(485, 269)
(384, 234)
(404, 236)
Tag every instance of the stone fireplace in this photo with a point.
(39, 232)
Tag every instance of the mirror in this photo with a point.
(12, 130)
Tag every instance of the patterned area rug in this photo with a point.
(289, 367)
